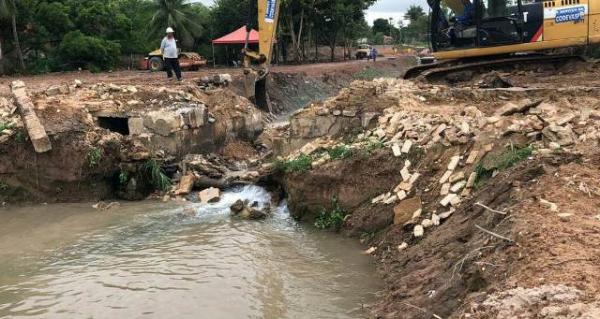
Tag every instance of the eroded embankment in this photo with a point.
(124, 141)
(477, 203)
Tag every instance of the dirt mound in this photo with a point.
(456, 198)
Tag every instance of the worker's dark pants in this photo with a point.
(173, 65)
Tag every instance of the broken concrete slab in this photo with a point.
(403, 212)
(210, 195)
(406, 146)
(453, 163)
(186, 184)
(35, 129)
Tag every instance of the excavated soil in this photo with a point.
(520, 240)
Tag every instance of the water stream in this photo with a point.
(177, 260)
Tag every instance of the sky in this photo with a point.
(381, 9)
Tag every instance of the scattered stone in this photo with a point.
(445, 190)
(379, 199)
(550, 205)
(78, 83)
(417, 213)
(185, 184)
(565, 217)
(401, 195)
(445, 177)
(447, 214)
(453, 163)
(404, 211)
(524, 106)
(413, 178)
(448, 199)
(370, 251)
(210, 195)
(402, 246)
(349, 113)
(418, 231)
(426, 223)
(458, 186)
(391, 199)
(396, 150)
(435, 220)
(379, 133)
(405, 174)
(472, 157)
(336, 112)
(406, 146)
(456, 177)
(471, 180)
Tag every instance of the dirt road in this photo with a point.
(158, 78)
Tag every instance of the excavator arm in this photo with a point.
(257, 64)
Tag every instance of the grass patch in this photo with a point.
(3, 186)
(156, 175)
(368, 74)
(5, 126)
(20, 137)
(510, 158)
(339, 152)
(94, 157)
(301, 163)
(333, 219)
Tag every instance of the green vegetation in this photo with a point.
(4, 127)
(156, 175)
(302, 163)
(20, 137)
(3, 186)
(339, 152)
(123, 178)
(501, 162)
(333, 219)
(94, 157)
(39, 36)
(368, 74)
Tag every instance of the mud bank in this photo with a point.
(105, 138)
(477, 203)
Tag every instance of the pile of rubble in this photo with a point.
(400, 116)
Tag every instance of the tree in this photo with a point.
(8, 8)
(414, 13)
(381, 26)
(179, 15)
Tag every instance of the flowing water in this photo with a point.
(177, 260)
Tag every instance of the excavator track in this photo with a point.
(437, 71)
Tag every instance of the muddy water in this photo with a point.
(150, 260)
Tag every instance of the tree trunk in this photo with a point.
(298, 52)
(290, 21)
(16, 37)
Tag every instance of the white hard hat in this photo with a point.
(170, 30)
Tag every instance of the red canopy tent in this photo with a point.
(238, 37)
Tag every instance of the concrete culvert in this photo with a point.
(114, 124)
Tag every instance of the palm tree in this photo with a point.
(414, 12)
(177, 14)
(8, 8)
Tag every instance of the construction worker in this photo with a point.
(170, 54)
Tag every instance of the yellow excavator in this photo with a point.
(471, 34)
(257, 63)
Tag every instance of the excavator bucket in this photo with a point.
(256, 90)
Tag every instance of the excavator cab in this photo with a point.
(471, 24)
(257, 64)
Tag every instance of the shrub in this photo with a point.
(368, 74)
(156, 175)
(301, 163)
(339, 152)
(95, 54)
(509, 158)
(333, 219)
(94, 157)
(4, 126)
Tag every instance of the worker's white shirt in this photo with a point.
(169, 48)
